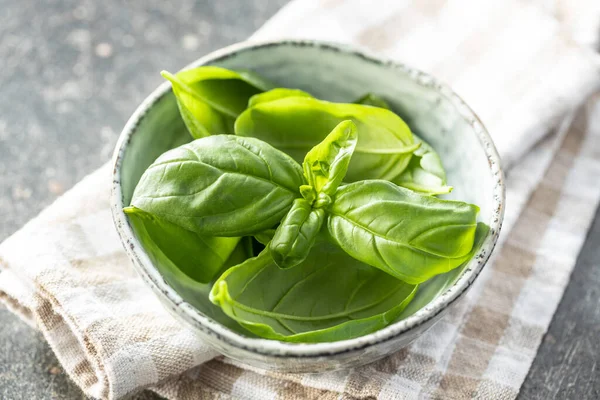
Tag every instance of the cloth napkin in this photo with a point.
(524, 66)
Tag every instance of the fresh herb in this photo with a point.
(424, 173)
(220, 185)
(344, 239)
(296, 234)
(324, 169)
(296, 124)
(199, 257)
(408, 235)
(276, 94)
(180, 262)
(210, 98)
(330, 296)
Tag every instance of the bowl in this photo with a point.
(338, 73)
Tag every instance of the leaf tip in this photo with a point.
(130, 210)
(414, 147)
(349, 128)
(168, 76)
(219, 292)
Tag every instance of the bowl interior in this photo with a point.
(431, 110)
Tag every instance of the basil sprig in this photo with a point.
(324, 168)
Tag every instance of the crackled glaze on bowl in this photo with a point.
(338, 73)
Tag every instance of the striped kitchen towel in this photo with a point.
(524, 66)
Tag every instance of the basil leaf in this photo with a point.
(265, 236)
(425, 173)
(296, 124)
(226, 91)
(326, 164)
(221, 185)
(328, 297)
(276, 94)
(175, 258)
(210, 98)
(437, 285)
(371, 99)
(296, 234)
(199, 117)
(199, 257)
(410, 236)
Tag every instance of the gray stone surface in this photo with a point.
(71, 72)
(568, 363)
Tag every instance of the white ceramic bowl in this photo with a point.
(339, 73)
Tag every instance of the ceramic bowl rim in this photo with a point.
(276, 348)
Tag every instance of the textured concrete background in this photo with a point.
(71, 73)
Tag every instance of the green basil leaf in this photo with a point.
(296, 124)
(265, 236)
(326, 164)
(199, 257)
(437, 285)
(199, 117)
(296, 234)
(210, 98)
(226, 91)
(184, 267)
(221, 185)
(425, 173)
(371, 99)
(328, 297)
(276, 94)
(408, 235)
